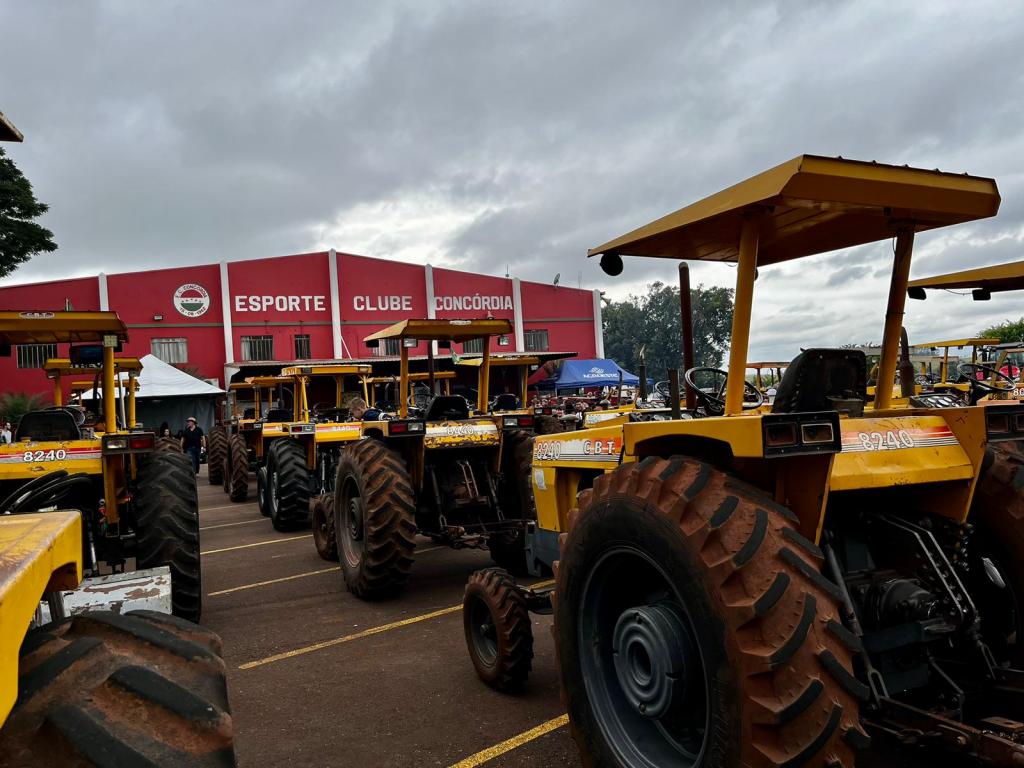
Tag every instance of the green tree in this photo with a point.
(20, 237)
(14, 405)
(1011, 330)
(652, 321)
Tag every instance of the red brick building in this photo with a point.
(317, 306)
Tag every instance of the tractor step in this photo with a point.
(148, 590)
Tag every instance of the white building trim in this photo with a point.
(517, 314)
(225, 306)
(598, 325)
(332, 271)
(104, 295)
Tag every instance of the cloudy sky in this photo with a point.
(492, 136)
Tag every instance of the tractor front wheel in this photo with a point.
(166, 511)
(288, 485)
(216, 450)
(694, 628)
(106, 689)
(374, 520)
(262, 500)
(499, 632)
(238, 461)
(321, 518)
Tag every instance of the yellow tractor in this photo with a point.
(238, 418)
(251, 447)
(301, 466)
(778, 586)
(441, 468)
(136, 503)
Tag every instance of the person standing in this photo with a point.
(5, 433)
(193, 441)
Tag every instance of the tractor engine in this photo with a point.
(460, 502)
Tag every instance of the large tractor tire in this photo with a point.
(110, 690)
(498, 629)
(238, 461)
(167, 445)
(694, 628)
(508, 548)
(225, 472)
(287, 485)
(216, 450)
(166, 509)
(262, 502)
(321, 520)
(548, 425)
(997, 513)
(374, 520)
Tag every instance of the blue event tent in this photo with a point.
(589, 373)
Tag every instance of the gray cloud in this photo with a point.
(492, 135)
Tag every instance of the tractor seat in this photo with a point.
(50, 425)
(278, 414)
(447, 407)
(249, 413)
(505, 402)
(823, 380)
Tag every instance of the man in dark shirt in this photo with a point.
(192, 442)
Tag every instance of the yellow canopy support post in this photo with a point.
(746, 269)
(403, 382)
(485, 377)
(525, 384)
(131, 399)
(58, 392)
(109, 390)
(894, 318)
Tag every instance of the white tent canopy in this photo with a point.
(160, 379)
(167, 394)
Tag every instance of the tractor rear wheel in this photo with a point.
(998, 515)
(374, 520)
(548, 425)
(262, 502)
(167, 445)
(321, 519)
(166, 509)
(508, 547)
(105, 689)
(288, 485)
(694, 627)
(498, 628)
(238, 460)
(225, 471)
(216, 450)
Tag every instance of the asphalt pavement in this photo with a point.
(320, 678)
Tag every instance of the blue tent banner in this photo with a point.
(589, 373)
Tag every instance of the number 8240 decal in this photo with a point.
(58, 454)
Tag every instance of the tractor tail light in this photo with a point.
(144, 442)
(816, 433)
(302, 429)
(526, 421)
(786, 434)
(139, 442)
(1004, 423)
(406, 427)
(780, 435)
(398, 429)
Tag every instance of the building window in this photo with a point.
(170, 350)
(34, 355)
(389, 348)
(257, 347)
(302, 346)
(473, 345)
(536, 340)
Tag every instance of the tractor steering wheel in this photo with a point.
(967, 370)
(714, 403)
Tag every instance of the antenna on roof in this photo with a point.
(557, 278)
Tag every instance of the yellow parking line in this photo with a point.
(228, 525)
(296, 576)
(365, 633)
(509, 744)
(239, 505)
(270, 581)
(256, 544)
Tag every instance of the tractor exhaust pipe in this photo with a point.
(906, 367)
(686, 323)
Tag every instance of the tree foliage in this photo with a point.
(652, 321)
(20, 237)
(1011, 330)
(14, 405)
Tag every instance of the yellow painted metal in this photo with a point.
(894, 317)
(403, 382)
(746, 271)
(325, 370)
(815, 204)
(39, 553)
(131, 399)
(968, 342)
(58, 392)
(45, 327)
(1001, 277)
(27, 460)
(484, 380)
(501, 360)
(443, 330)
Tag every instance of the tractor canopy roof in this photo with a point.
(782, 364)
(61, 366)
(443, 330)
(237, 386)
(7, 130)
(45, 327)
(268, 381)
(418, 376)
(325, 370)
(971, 342)
(1001, 277)
(501, 360)
(812, 204)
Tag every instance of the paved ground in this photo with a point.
(406, 695)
